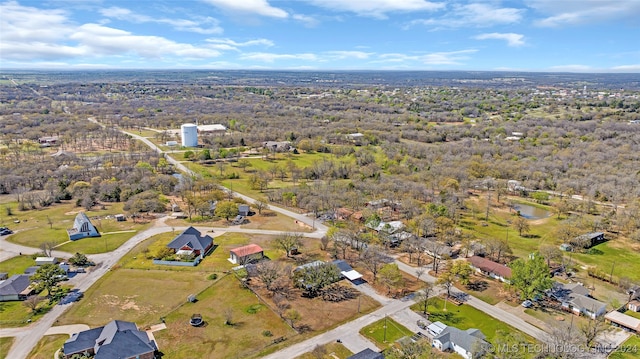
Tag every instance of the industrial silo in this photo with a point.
(189, 133)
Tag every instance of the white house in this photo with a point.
(82, 227)
(469, 343)
(246, 254)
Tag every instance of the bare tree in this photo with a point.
(47, 248)
(373, 258)
(424, 295)
(288, 241)
(521, 224)
(324, 243)
(32, 302)
(591, 329)
(228, 316)
(261, 205)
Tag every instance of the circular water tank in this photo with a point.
(189, 132)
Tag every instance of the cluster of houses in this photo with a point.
(18, 286)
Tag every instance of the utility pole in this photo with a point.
(385, 328)
(613, 265)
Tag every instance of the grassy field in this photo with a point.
(141, 256)
(5, 345)
(385, 332)
(630, 349)
(47, 346)
(274, 222)
(16, 265)
(465, 317)
(613, 255)
(132, 294)
(15, 314)
(244, 338)
(331, 351)
(51, 224)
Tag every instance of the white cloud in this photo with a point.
(203, 25)
(474, 14)
(511, 38)
(59, 40)
(258, 7)
(434, 58)
(586, 12)
(230, 45)
(21, 23)
(561, 13)
(341, 55)
(627, 68)
(571, 68)
(378, 8)
(307, 20)
(271, 57)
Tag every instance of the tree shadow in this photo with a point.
(478, 285)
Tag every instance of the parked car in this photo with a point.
(5, 231)
(527, 304)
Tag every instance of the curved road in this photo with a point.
(26, 338)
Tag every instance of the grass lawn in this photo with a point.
(613, 254)
(16, 265)
(465, 317)
(141, 257)
(244, 338)
(385, 338)
(5, 345)
(133, 295)
(34, 228)
(15, 314)
(631, 313)
(630, 349)
(47, 346)
(331, 351)
(488, 290)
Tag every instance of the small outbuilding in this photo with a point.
(120, 218)
(246, 254)
(243, 210)
(40, 261)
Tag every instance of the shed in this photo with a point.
(246, 254)
(120, 218)
(243, 210)
(40, 261)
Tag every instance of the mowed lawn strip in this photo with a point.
(17, 265)
(465, 317)
(47, 346)
(630, 349)
(5, 345)
(332, 351)
(385, 337)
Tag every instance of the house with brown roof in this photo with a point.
(490, 268)
(246, 254)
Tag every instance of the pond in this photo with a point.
(531, 212)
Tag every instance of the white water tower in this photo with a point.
(189, 132)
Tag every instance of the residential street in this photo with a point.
(27, 337)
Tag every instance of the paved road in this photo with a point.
(347, 333)
(319, 227)
(28, 337)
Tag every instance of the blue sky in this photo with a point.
(524, 35)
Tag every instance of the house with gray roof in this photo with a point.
(17, 287)
(366, 354)
(82, 228)
(117, 339)
(576, 298)
(191, 242)
(468, 343)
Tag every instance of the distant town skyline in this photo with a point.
(441, 35)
